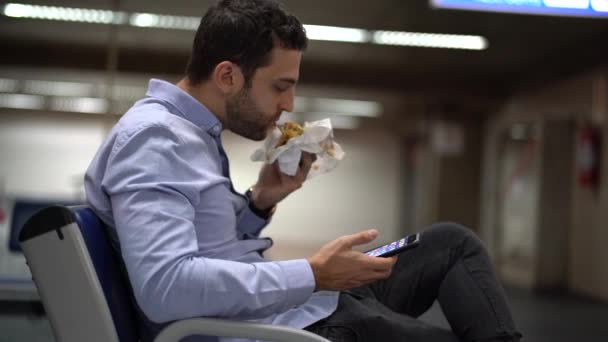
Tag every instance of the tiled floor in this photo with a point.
(540, 317)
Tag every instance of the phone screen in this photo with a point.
(395, 247)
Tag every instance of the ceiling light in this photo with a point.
(80, 105)
(337, 121)
(337, 34)
(81, 97)
(164, 21)
(8, 86)
(314, 32)
(348, 107)
(341, 107)
(63, 14)
(430, 40)
(144, 20)
(21, 101)
(55, 88)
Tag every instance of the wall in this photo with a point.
(364, 191)
(443, 181)
(44, 155)
(459, 179)
(576, 100)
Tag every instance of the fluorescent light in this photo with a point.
(341, 107)
(338, 34)
(80, 97)
(430, 40)
(164, 21)
(337, 121)
(8, 86)
(314, 32)
(348, 107)
(55, 88)
(63, 14)
(21, 101)
(17, 10)
(144, 20)
(80, 105)
(301, 104)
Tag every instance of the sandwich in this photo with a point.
(289, 130)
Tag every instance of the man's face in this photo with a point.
(253, 111)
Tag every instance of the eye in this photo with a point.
(281, 87)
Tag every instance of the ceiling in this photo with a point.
(522, 48)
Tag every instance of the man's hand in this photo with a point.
(337, 267)
(273, 185)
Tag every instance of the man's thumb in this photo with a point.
(362, 238)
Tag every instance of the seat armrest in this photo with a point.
(227, 328)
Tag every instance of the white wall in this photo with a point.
(364, 191)
(45, 155)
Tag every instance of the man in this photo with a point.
(191, 243)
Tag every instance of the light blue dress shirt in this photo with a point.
(189, 241)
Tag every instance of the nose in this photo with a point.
(286, 101)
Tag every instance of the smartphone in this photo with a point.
(395, 247)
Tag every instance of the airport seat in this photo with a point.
(23, 209)
(85, 291)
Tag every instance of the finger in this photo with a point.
(275, 166)
(360, 238)
(307, 156)
(383, 274)
(374, 276)
(307, 160)
(380, 264)
(305, 164)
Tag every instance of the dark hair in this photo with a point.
(243, 32)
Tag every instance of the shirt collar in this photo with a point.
(187, 106)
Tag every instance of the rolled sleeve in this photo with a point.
(249, 223)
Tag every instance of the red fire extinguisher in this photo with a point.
(588, 156)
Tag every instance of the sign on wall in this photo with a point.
(582, 8)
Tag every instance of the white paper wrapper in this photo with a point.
(318, 138)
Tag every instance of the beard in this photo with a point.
(245, 118)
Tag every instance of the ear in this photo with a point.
(228, 77)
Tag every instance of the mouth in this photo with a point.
(275, 121)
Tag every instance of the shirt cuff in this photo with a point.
(250, 223)
(300, 281)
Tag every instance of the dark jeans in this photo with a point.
(450, 265)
